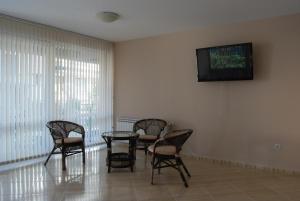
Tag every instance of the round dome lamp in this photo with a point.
(108, 16)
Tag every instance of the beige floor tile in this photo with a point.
(33, 197)
(209, 182)
(152, 192)
(220, 188)
(248, 186)
(232, 197)
(82, 197)
(267, 195)
(118, 193)
(180, 191)
(194, 198)
(292, 196)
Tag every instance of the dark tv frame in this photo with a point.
(205, 73)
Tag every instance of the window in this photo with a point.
(48, 74)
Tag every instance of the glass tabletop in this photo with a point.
(120, 134)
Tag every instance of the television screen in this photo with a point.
(230, 62)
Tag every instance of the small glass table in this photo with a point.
(120, 159)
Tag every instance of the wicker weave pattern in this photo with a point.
(150, 127)
(66, 146)
(62, 129)
(170, 159)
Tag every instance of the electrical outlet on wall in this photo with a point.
(277, 147)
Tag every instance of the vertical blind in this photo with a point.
(50, 74)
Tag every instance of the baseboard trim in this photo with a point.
(245, 165)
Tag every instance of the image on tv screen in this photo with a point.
(227, 57)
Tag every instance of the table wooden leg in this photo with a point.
(132, 144)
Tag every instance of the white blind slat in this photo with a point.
(49, 74)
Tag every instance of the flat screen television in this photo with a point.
(228, 62)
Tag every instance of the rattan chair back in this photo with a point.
(61, 129)
(178, 138)
(150, 126)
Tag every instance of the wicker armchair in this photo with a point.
(165, 152)
(66, 145)
(152, 129)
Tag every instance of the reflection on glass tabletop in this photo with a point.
(119, 134)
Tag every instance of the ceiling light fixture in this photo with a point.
(108, 17)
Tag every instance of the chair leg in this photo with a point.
(180, 172)
(63, 158)
(145, 149)
(49, 156)
(159, 163)
(131, 168)
(152, 165)
(184, 167)
(83, 154)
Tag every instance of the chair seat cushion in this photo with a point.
(70, 140)
(163, 150)
(148, 137)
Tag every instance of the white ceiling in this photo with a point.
(143, 18)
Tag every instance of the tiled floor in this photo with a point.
(209, 182)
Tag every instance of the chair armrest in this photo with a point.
(81, 130)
